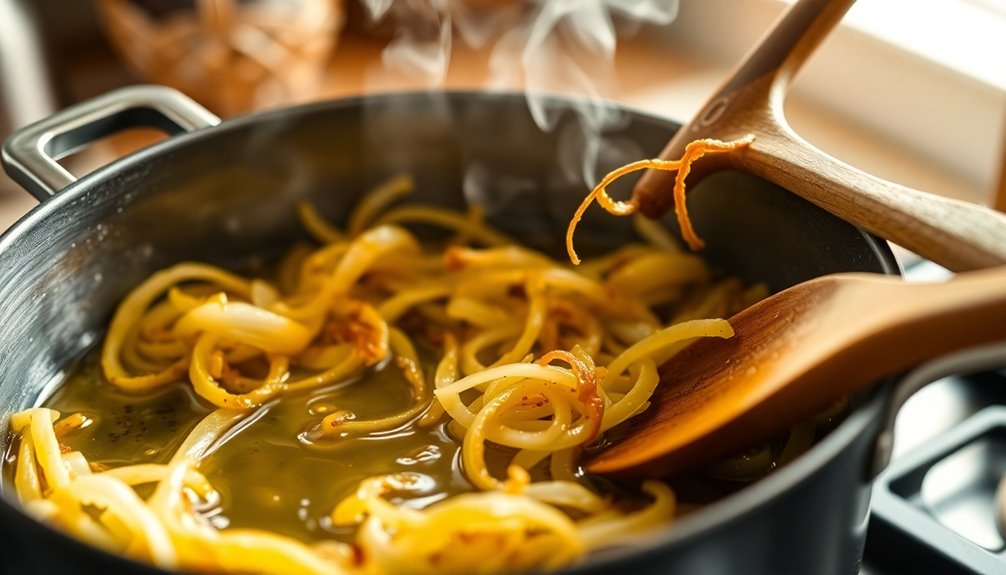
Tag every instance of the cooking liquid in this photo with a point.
(268, 474)
(271, 476)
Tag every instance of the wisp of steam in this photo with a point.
(541, 46)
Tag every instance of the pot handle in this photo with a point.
(30, 153)
(973, 360)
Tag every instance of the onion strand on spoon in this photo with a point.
(693, 151)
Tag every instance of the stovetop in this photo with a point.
(933, 507)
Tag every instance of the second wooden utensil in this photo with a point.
(955, 234)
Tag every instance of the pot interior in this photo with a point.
(227, 195)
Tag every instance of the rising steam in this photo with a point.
(541, 46)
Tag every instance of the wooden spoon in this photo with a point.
(794, 354)
(955, 234)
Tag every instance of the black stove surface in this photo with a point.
(934, 507)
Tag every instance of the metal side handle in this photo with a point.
(30, 154)
(974, 360)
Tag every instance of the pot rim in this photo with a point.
(711, 517)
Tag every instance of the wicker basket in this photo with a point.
(231, 55)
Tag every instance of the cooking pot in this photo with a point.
(227, 194)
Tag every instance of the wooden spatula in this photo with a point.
(794, 354)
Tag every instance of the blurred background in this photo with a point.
(911, 91)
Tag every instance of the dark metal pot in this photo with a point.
(227, 194)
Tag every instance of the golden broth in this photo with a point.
(267, 473)
(270, 476)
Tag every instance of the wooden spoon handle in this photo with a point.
(770, 66)
(891, 326)
(958, 235)
(784, 49)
